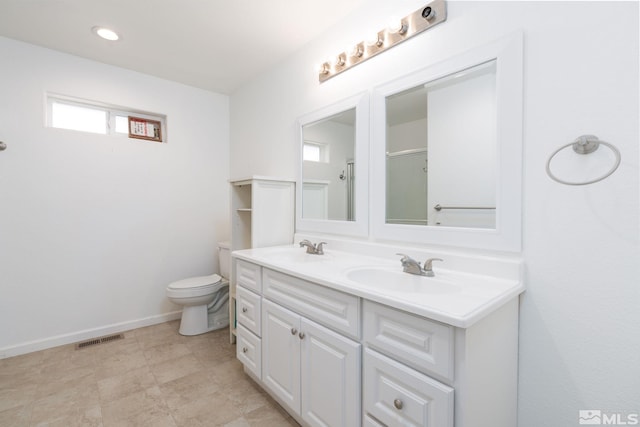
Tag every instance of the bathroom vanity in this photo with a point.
(344, 339)
(348, 338)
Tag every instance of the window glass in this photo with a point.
(122, 124)
(76, 117)
(64, 112)
(311, 152)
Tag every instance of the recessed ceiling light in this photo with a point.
(106, 33)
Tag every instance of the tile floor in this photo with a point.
(153, 377)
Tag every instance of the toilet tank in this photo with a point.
(224, 259)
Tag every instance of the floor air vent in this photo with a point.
(97, 341)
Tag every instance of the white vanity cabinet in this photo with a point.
(311, 369)
(333, 358)
(419, 372)
(249, 316)
(295, 337)
(394, 392)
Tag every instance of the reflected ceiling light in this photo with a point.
(400, 30)
(106, 33)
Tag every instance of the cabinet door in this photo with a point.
(281, 353)
(400, 396)
(273, 207)
(330, 377)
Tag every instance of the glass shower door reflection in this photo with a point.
(407, 187)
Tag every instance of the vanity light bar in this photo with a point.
(415, 23)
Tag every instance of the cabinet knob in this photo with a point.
(245, 349)
(398, 404)
(294, 331)
(244, 309)
(301, 335)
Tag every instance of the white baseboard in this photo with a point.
(58, 340)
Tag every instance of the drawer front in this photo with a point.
(371, 422)
(331, 308)
(248, 310)
(249, 351)
(421, 343)
(248, 275)
(400, 396)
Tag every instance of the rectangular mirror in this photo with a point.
(441, 151)
(333, 182)
(447, 143)
(328, 167)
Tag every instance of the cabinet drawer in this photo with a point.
(249, 351)
(421, 343)
(326, 306)
(371, 422)
(248, 275)
(400, 396)
(248, 310)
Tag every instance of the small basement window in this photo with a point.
(85, 116)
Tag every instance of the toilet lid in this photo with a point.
(195, 282)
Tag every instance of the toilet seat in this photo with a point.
(195, 286)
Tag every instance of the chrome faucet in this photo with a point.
(313, 248)
(411, 266)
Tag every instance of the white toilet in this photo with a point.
(205, 298)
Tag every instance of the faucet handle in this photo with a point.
(404, 258)
(428, 267)
(319, 248)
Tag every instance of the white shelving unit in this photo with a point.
(262, 214)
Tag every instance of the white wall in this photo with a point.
(93, 227)
(579, 340)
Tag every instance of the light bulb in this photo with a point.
(374, 39)
(323, 68)
(398, 26)
(355, 51)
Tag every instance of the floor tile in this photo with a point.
(176, 368)
(154, 377)
(134, 381)
(135, 408)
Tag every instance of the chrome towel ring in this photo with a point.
(585, 144)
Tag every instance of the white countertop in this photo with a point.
(457, 298)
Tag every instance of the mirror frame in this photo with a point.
(507, 236)
(360, 226)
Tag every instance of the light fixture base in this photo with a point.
(415, 23)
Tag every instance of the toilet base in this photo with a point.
(196, 320)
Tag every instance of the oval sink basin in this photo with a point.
(395, 280)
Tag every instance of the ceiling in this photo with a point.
(212, 44)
